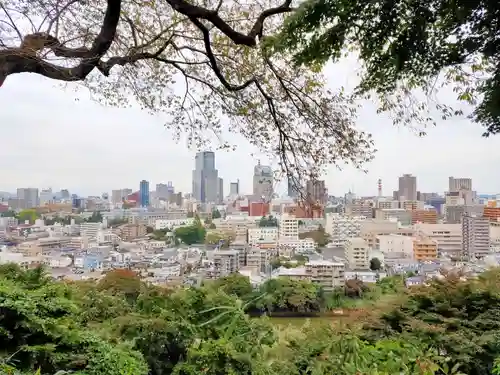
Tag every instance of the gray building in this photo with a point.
(263, 181)
(234, 188)
(457, 184)
(293, 187)
(475, 236)
(454, 214)
(220, 191)
(407, 188)
(29, 197)
(205, 178)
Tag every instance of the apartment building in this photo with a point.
(356, 252)
(225, 262)
(341, 228)
(258, 260)
(475, 236)
(394, 243)
(454, 214)
(288, 228)
(129, 232)
(398, 214)
(424, 216)
(424, 248)
(329, 275)
(411, 205)
(492, 213)
(266, 234)
(90, 230)
(447, 236)
(371, 229)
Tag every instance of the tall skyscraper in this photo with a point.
(144, 193)
(293, 187)
(407, 188)
(234, 188)
(263, 182)
(316, 191)
(457, 184)
(475, 236)
(28, 197)
(205, 178)
(220, 191)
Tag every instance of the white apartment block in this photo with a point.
(288, 228)
(226, 262)
(329, 275)
(357, 253)
(90, 230)
(395, 243)
(290, 247)
(341, 228)
(447, 236)
(173, 223)
(239, 225)
(266, 234)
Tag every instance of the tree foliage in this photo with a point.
(405, 45)
(447, 328)
(320, 237)
(197, 63)
(375, 264)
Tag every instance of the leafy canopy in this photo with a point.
(199, 63)
(405, 45)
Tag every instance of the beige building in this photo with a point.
(129, 232)
(395, 243)
(356, 252)
(398, 214)
(226, 262)
(407, 188)
(447, 236)
(328, 274)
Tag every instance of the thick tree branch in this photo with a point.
(196, 12)
(24, 59)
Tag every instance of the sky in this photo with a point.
(49, 139)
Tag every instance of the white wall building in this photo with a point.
(173, 223)
(266, 234)
(395, 243)
(288, 227)
(341, 228)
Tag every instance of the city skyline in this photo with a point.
(90, 149)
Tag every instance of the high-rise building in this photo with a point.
(293, 187)
(220, 191)
(263, 182)
(205, 178)
(407, 188)
(316, 191)
(475, 236)
(234, 188)
(144, 193)
(164, 191)
(457, 184)
(28, 197)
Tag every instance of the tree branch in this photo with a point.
(196, 12)
(24, 59)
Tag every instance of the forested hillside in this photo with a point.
(121, 326)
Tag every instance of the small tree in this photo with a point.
(375, 264)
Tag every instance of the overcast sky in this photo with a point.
(51, 140)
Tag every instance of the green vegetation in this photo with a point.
(29, 215)
(96, 217)
(405, 45)
(320, 237)
(216, 214)
(119, 325)
(375, 264)
(191, 234)
(269, 221)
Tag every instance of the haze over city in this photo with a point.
(52, 140)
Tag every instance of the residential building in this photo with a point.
(394, 243)
(288, 228)
(220, 191)
(397, 214)
(424, 248)
(226, 262)
(358, 207)
(328, 274)
(475, 236)
(341, 228)
(267, 234)
(492, 213)
(205, 178)
(129, 232)
(356, 253)
(454, 213)
(407, 188)
(447, 236)
(428, 216)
